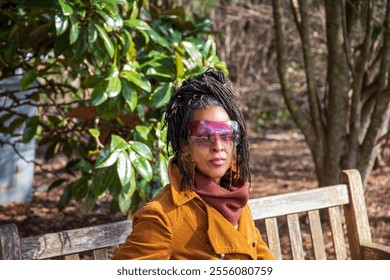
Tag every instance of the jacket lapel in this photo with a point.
(224, 238)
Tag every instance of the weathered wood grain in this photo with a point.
(358, 228)
(316, 235)
(374, 251)
(337, 233)
(74, 241)
(271, 226)
(9, 242)
(283, 204)
(294, 232)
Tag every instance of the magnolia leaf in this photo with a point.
(161, 95)
(137, 79)
(129, 93)
(163, 169)
(65, 7)
(27, 79)
(31, 128)
(141, 149)
(106, 157)
(106, 39)
(124, 170)
(61, 23)
(142, 166)
(118, 144)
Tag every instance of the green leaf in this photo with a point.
(80, 188)
(99, 94)
(65, 197)
(142, 166)
(161, 95)
(124, 202)
(92, 33)
(65, 7)
(84, 166)
(134, 10)
(89, 203)
(193, 52)
(106, 39)
(125, 172)
(179, 66)
(27, 79)
(56, 184)
(137, 24)
(137, 79)
(118, 144)
(111, 18)
(141, 149)
(94, 132)
(103, 179)
(158, 39)
(74, 30)
(30, 129)
(143, 131)
(163, 169)
(106, 158)
(61, 44)
(114, 87)
(61, 23)
(129, 93)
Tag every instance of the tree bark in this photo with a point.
(338, 81)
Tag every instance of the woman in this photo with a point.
(203, 212)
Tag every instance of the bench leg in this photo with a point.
(9, 242)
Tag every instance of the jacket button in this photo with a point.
(254, 243)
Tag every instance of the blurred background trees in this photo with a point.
(105, 69)
(100, 72)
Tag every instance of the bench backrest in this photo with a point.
(344, 203)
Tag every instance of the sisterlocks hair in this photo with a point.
(210, 89)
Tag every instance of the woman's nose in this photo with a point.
(216, 144)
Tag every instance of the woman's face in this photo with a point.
(215, 160)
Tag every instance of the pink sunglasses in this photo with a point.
(204, 133)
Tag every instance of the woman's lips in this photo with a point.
(218, 161)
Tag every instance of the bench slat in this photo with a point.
(337, 233)
(272, 231)
(75, 241)
(298, 202)
(316, 235)
(295, 237)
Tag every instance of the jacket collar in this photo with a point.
(179, 197)
(223, 236)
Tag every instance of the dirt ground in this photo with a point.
(280, 163)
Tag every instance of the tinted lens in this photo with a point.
(205, 133)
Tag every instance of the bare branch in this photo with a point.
(315, 109)
(294, 108)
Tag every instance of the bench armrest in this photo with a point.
(375, 251)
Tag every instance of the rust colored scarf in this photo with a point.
(227, 201)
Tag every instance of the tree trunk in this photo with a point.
(342, 132)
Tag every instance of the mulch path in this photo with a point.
(280, 163)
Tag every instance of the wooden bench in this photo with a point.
(344, 203)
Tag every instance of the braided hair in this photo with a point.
(210, 89)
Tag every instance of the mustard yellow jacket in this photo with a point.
(180, 225)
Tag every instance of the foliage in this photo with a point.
(102, 71)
